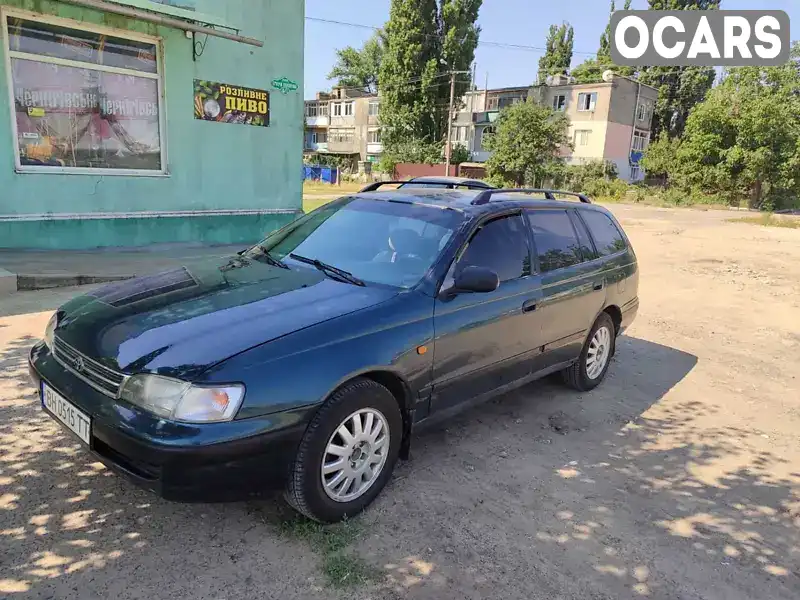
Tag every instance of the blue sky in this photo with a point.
(509, 21)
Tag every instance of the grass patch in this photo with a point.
(311, 203)
(319, 187)
(770, 220)
(341, 567)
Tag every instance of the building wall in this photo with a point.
(212, 166)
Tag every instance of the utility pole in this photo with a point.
(450, 124)
(448, 147)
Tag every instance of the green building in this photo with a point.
(133, 122)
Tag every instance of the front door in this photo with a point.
(484, 341)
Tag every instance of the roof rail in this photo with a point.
(443, 182)
(485, 197)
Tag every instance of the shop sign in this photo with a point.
(227, 103)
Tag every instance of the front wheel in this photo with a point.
(591, 367)
(347, 453)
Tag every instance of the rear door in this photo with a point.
(573, 288)
(484, 341)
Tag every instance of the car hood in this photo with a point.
(181, 322)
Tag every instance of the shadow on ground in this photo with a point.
(518, 498)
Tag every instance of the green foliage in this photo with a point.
(661, 156)
(743, 141)
(424, 40)
(457, 19)
(558, 51)
(591, 70)
(359, 68)
(459, 154)
(341, 567)
(679, 88)
(410, 151)
(527, 141)
(770, 220)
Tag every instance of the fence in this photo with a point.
(317, 173)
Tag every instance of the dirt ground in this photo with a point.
(679, 477)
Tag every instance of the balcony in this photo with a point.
(485, 117)
(315, 146)
(374, 148)
(317, 121)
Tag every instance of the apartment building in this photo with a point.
(609, 121)
(343, 122)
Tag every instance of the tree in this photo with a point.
(661, 156)
(744, 139)
(558, 52)
(360, 68)
(459, 39)
(591, 70)
(425, 40)
(528, 139)
(679, 88)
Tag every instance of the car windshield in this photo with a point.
(391, 243)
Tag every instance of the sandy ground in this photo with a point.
(678, 478)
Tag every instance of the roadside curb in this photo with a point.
(8, 282)
(46, 282)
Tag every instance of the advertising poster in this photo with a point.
(227, 103)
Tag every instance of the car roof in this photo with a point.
(461, 200)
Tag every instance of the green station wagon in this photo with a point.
(308, 361)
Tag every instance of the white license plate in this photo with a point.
(77, 421)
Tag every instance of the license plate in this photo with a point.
(77, 421)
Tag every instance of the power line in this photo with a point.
(480, 42)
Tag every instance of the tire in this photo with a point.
(306, 491)
(580, 375)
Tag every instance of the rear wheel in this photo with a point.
(591, 367)
(348, 452)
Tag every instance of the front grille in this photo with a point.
(100, 377)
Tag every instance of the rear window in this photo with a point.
(607, 238)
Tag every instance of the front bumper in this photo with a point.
(178, 461)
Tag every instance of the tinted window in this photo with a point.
(584, 241)
(606, 236)
(500, 245)
(555, 239)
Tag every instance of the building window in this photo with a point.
(636, 172)
(319, 137)
(348, 109)
(582, 137)
(587, 101)
(311, 110)
(341, 136)
(640, 141)
(374, 137)
(323, 110)
(373, 108)
(337, 109)
(492, 103)
(85, 101)
(643, 113)
(560, 102)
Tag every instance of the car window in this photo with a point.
(555, 240)
(607, 237)
(500, 245)
(389, 243)
(584, 241)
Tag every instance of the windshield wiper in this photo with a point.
(329, 270)
(271, 259)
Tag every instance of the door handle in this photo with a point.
(598, 286)
(529, 306)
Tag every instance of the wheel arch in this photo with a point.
(615, 313)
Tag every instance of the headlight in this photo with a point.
(182, 401)
(50, 331)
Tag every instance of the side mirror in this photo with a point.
(476, 279)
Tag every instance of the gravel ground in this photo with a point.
(678, 478)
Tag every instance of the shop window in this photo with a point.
(85, 100)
